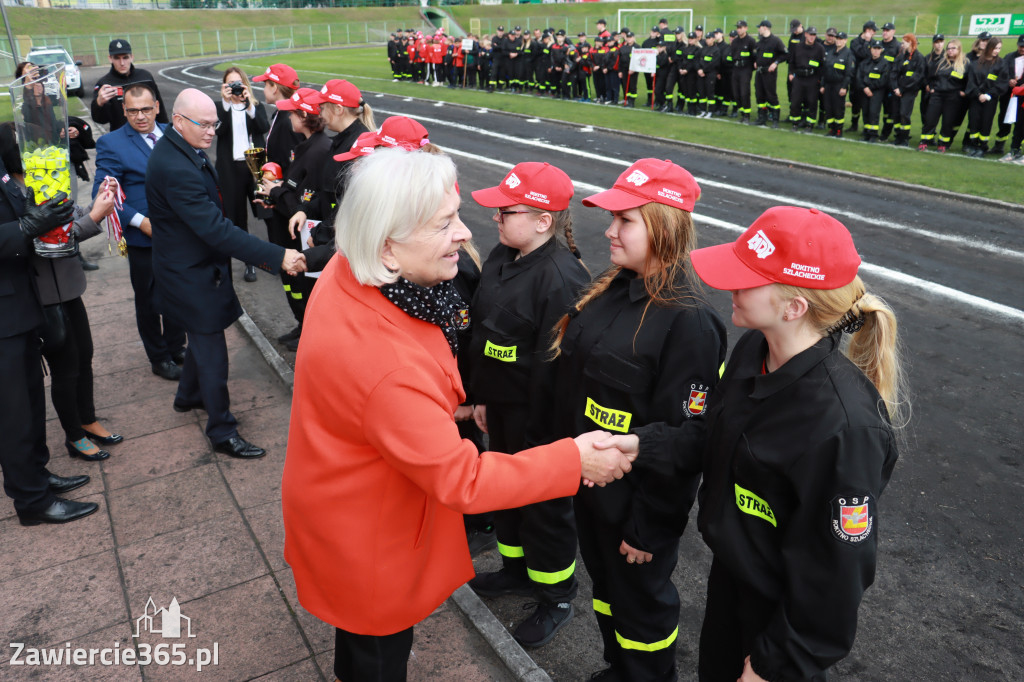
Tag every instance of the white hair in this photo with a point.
(389, 194)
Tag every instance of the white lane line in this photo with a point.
(885, 223)
(929, 288)
(163, 74)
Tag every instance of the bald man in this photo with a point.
(193, 244)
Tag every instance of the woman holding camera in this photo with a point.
(243, 123)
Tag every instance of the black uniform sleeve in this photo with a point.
(99, 113)
(828, 547)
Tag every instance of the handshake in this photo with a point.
(294, 262)
(604, 457)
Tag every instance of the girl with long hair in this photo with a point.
(947, 82)
(987, 80)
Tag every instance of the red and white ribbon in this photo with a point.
(115, 232)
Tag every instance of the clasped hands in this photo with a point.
(294, 262)
(605, 457)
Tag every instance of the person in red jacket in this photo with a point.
(376, 477)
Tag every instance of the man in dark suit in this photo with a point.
(24, 455)
(123, 155)
(193, 244)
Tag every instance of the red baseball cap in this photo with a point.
(279, 73)
(802, 247)
(540, 185)
(649, 180)
(395, 131)
(341, 92)
(303, 99)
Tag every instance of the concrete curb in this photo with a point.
(747, 156)
(515, 658)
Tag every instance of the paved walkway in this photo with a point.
(178, 521)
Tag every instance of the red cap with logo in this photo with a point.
(341, 92)
(396, 131)
(540, 185)
(802, 247)
(279, 73)
(648, 180)
(303, 99)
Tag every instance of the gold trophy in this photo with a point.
(255, 157)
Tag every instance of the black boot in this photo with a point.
(998, 147)
(853, 124)
(762, 117)
(774, 115)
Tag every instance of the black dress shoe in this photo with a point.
(112, 439)
(64, 484)
(167, 370)
(97, 456)
(293, 334)
(239, 447)
(178, 357)
(61, 511)
(87, 265)
(185, 407)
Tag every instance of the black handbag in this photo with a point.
(55, 329)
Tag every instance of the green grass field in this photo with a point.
(368, 69)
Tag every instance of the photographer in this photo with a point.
(108, 93)
(243, 124)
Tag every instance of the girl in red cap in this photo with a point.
(640, 354)
(527, 283)
(802, 441)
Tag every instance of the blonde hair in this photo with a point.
(874, 348)
(960, 62)
(389, 194)
(671, 235)
(362, 113)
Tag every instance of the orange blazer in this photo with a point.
(376, 478)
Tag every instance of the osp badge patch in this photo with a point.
(852, 518)
(697, 400)
(461, 319)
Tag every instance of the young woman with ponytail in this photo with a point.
(802, 441)
(641, 352)
(528, 282)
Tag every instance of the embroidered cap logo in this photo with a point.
(637, 178)
(512, 181)
(761, 245)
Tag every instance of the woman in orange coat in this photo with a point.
(377, 478)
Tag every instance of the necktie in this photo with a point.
(152, 139)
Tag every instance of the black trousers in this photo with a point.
(537, 541)
(612, 84)
(803, 103)
(766, 89)
(706, 87)
(835, 105)
(298, 288)
(734, 615)
(160, 337)
(872, 110)
(979, 121)
(856, 101)
(1003, 129)
(672, 80)
(237, 194)
(741, 88)
(636, 605)
(24, 456)
(904, 108)
(370, 658)
(204, 379)
(947, 106)
(629, 86)
(71, 381)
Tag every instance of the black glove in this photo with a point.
(39, 220)
(82, 171)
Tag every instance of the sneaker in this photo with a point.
(498, 583)
(923, 147)
(1019, 161)
(481, 540)
(941, 149)
(544, 623)
(1006, 158)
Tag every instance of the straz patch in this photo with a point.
(853, 518)
(606, 417)
(697, 402)
(503, 353)
(751, 503)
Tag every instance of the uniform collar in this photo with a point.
(515, 266)
(191, 152)
(766, 385)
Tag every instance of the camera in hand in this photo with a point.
(237, 89)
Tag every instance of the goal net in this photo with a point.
(640, 21)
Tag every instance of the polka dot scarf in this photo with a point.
(438, 305)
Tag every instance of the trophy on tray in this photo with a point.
(40, 110)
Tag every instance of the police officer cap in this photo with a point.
(560, 32)
(679, 29)
(718, 31)
(876, 44)
(581, 34)
(741, 23)
(1020, 40)
(794, 23)
(888, 26)
(870, 24)
(698, 27)
(984, 35)
(691, 35)
(501, 28)
(813, 31)
(938, 38)
(765, 23)
(518, 28)
(841, 35)
(629, 34)
(655, 29)
(119, 46)
(831, 32)
(734, 33)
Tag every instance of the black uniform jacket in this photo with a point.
(987, 79)
(795, 463)
(19, 304)
(839, 68)
(945, 78)
(769, 51)
(625, 364)
(281, 140)
(112, 112)
(709, 60)
(874, 74)
(742, 52)
(331, 185)
(303, 176)
(514, 310)
(806, 60)
(193, 243)
(908, 73)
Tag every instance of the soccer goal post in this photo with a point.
(640, 21)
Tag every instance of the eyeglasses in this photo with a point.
(204, 126)
(502, 214)
(143, 110)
